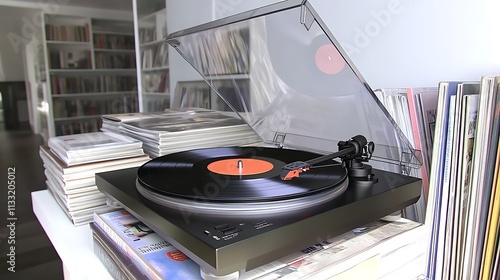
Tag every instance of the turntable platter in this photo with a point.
(236, 175)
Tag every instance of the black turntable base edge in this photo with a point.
(250, 243)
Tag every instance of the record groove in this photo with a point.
(185, 175)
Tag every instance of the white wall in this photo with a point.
(395, 43)
(13, 24)
(404, 43)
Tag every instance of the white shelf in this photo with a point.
(115, 50)
(155, 69)
(74, 245)
(157, 94)
(93, 94)
(152, 43)
(78, 118)
(70, 43)
(103, 32)
(92, 71)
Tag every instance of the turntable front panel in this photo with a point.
(222, 245)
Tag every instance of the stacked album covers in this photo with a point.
(72, 161)
(464, 198)
(176, 130)
(379, 250)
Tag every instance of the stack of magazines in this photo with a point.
(379, 250)
(72, 161)
(177, 130)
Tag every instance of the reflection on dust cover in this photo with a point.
(151, 253)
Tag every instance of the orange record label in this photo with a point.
(329, 60)
(240, 166)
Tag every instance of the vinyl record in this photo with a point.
(235, 175)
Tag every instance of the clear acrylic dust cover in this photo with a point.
(281, 69)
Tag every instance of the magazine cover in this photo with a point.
(151, 253)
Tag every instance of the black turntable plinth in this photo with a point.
(236, 239)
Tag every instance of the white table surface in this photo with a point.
(73, 244)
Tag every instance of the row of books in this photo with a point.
(72, 33)
(155, 103)
(70, 163)
(114, 61)
(155, 57)
(156, 82)
(67, 108)
(77, 126)
(115, 42)
(91, 84)
(380, 250)
(70, 59)
(149, 35)
(176, 130)
(414, 110)
(463, 206)
(229, 52)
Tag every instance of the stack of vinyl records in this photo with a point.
(179, 130)
(72, 161)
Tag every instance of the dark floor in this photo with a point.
(35, 257)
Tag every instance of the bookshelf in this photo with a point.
(90, 70)
(200, 94)
(226, 66)
(152, 55)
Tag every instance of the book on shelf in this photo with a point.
(93, 84)
(155, 56)
(114, 42)
(87, 106)
(346, 254)
(77, 127)
(153, 255)
(147, 35)
(114, 61)
(70, 59)
(71, 33)
(156, 82)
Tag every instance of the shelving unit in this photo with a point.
(152, 55)
(231, 80)
(91, 71)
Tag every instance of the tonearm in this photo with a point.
(352, 152)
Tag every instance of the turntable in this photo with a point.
(333, 158)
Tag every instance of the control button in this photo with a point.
(221, 227)
(231, 230)
(207, 232)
